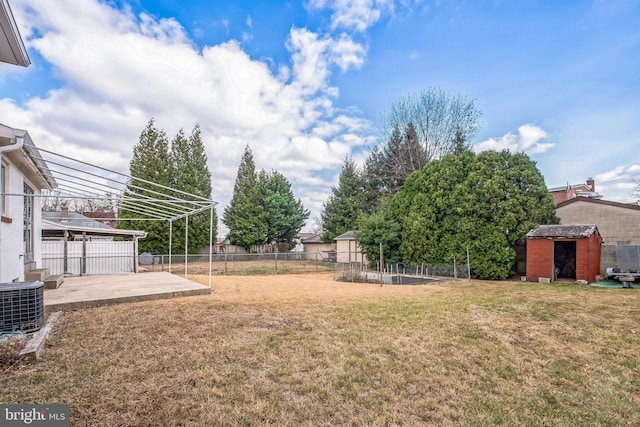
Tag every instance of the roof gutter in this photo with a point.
(17, 141)
(17, 52)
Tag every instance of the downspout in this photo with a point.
(17, 145)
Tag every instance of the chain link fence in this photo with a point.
(240, 264)
(400, 273)
(258, 264)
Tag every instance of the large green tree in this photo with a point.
(282, 215)
(346, 202)
(416, 130)
(242, 216)
(150, 162)
(381, 227)
(191, 174)
(180, 166)
(485, 202)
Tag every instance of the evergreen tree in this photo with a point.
(486, 202)
(459, 144)
(150, 162)
(381, 227)
(281, 213)
(346, 203)
(191, 175)
(242, 216)
(389, 165)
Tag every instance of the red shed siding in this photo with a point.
(595, 249)
(539, 259)
(582, 259)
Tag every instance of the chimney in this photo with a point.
(64, 213)
(591, 183)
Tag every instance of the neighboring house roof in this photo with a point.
(12, 48)
(581, 186)
(74, 221)
(17, 145)
(570, 191)
(574, 231)
(599, 202)
(314, 238)
(349, 235)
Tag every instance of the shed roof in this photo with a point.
(571, 231)
(314, 238)
(349, 235)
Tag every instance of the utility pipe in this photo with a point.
(17, 144)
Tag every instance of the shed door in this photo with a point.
(564, 259)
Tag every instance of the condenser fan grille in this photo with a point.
(21, 306)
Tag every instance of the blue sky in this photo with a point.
(304, 83)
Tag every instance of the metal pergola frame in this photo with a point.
(79, 180)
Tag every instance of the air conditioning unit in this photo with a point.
(21, 306)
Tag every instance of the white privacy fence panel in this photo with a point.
(102, 257)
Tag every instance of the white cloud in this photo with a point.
(530, 140)
(620, 183)
(357, 15)
(346, 53)
(119, 70)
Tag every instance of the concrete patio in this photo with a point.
(93, 291)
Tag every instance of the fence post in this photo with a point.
(83, 268)
(276, 258)
(225, 263)
(455, 272)
(381, 263)
(65, 267)
(468, 265)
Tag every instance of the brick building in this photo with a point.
(571, 191)
(563, 252)
(618, 223)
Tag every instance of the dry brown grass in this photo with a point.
(246, 268)
(303, 349)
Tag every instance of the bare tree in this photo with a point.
(442, 121)
(636, 191)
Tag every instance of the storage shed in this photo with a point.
(563, 251)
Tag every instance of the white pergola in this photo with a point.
(79, 180)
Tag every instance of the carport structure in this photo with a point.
(143, 199)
